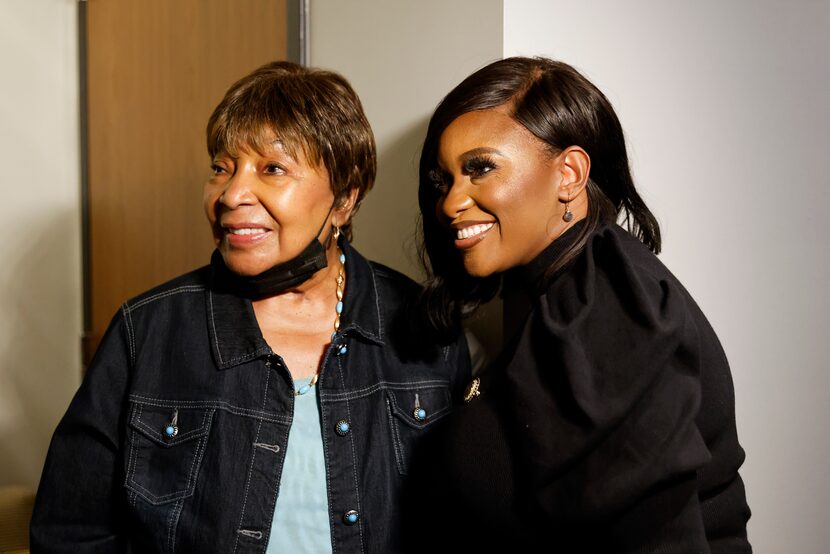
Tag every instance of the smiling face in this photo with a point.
(500, 191)
(264, 208)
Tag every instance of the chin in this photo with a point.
(478, 268)
(241, 265)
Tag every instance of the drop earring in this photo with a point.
(568, 216)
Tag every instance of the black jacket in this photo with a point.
(608, 423)
(115, 482)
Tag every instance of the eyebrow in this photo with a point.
(478, 152)
(470, 154)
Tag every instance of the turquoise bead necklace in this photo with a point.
(341, 279)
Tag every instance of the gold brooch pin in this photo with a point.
(472, 390)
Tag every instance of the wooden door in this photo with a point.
(155, 69)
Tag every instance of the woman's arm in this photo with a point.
(80, 501)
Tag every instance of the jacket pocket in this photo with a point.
(165, 450)
(412, 410)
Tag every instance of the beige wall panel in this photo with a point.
(156, 70)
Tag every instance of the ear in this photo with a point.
(575, 166)
(342, 213)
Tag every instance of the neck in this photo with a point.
(319, 288)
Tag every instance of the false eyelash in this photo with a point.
(478, 165)
(436, 177)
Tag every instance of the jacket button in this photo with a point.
(341, 349)
(342, 428)
(419, 414)
(351, 517)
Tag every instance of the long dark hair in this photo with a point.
(561, 108)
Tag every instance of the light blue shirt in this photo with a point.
(301, 518)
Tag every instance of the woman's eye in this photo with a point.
(478, 167)
(273, 169)
(439, 182)
(217, 169)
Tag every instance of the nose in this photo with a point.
(239, 190)
(456, 201)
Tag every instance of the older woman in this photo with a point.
(266, 402)
(607, 424)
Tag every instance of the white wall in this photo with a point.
(40, 273)
(725, 105)
(401, 57)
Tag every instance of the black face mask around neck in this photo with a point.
(279, 278)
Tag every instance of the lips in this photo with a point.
(247, 231)
(472, 230)
(244, 234)
(471, 233)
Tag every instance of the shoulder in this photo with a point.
(396, 298)
(392, 290)
(391, 281)
(618, 311)
(616, 275)
(197, 281)
(617, 255)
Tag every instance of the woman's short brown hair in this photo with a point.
(310, 110)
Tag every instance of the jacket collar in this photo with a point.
(234, 333)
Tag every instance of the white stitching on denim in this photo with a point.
(128, 324)
(165, 294)
(253, 459)
(219, 405)
(133, 487)
(324, 425)
(377, 301)
(172, 523)
(169, 525)
(246, 357)
(396, 439)
(155, 434)
(382, 385)
(272, 447)
(406, 416)
(272, 505)
(131, 459)
(154, 499)
(147, 494)
(354, 461)
(207, 416)
(213, 325)
(247, 484)
(200, 451)
(249, 533)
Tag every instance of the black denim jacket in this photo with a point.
(115, 482)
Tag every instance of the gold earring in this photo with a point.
(336, 232)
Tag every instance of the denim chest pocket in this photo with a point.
(411, 411)
(165, 451)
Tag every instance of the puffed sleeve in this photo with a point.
(79, 505)
(605, 382)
